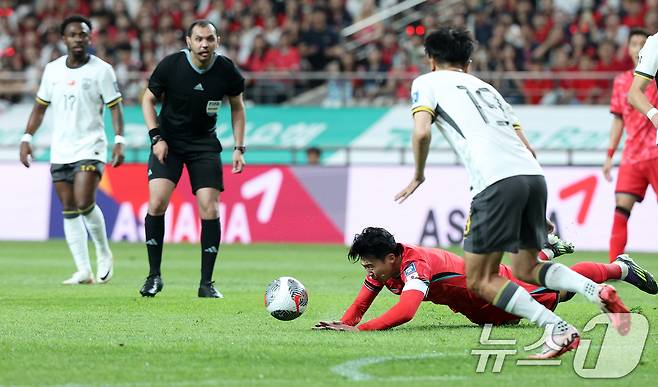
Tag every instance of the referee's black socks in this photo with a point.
(210, 236)
(154, 227)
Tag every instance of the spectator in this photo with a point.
(339, 91)
(318, 44)
(313, 155)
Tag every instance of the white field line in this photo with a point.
(352, 369)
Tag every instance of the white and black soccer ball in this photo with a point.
(286, 298)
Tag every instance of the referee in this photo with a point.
(191, 85)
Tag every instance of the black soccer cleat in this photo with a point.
(637, 276)
(207, 290)
(152, 286)
(558, 246)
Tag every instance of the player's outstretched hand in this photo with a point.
(238, 162)
(26, 153)
(607, 167)
(117, 155)
(160, 150)
(334, 326)
(405, 193)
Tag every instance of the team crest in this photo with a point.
(86, 83)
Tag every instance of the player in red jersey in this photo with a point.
(639, 163)
(419, 274)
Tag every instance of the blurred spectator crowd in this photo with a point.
(291, 36)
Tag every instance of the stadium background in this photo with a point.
(553, 60)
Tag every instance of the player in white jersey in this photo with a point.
(77, 86)
(508, 211)
(645, 72)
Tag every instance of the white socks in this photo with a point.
(624, 269)
(522, 304)
(76, 237)
(96, 225)
(559, 277)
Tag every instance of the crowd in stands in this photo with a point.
(550, 36)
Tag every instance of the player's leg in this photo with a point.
(74, 228)
(87, 177)
(495, 224)
(619, 235)
(207, 182)
(557, 276)
(162, 182)
(632, 182)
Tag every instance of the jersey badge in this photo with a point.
(414, 97)
(198, 87)
(410, 272)
(212, 107)
(86, 83)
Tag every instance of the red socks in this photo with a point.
(619, 234)
(598, 272)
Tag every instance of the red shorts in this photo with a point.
(633, 179)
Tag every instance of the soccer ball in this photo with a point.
(285, 298)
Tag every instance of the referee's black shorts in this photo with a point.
(507, 216)
(204, 168)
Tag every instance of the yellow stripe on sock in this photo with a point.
(500, 292)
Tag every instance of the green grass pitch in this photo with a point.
(51, 334)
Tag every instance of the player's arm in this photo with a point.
(238, 121)
(158, 144)
(645, 72)
(111, 96)
(117, 123)
(404, 311)
(616, 130)
(420, 141)
(519, 132)
(639, 100)
(33, 123)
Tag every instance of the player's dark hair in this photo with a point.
(201, 23)
(638, 31)
(373, 242)
(450, 45)
(74, 19)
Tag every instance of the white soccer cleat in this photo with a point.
(558, 344)
(79, 278)
(104, 269)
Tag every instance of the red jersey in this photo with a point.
(640, 142)
(444, 275)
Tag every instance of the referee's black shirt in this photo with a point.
(192, 98)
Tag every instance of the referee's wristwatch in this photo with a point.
(155, 136)
(242, 148)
